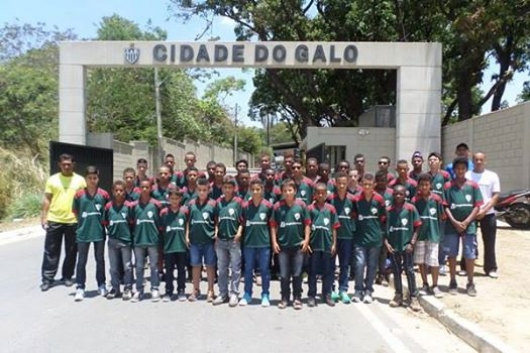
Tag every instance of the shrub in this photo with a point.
(21, 179)
(26, 206)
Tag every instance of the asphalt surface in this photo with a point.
(32, 321)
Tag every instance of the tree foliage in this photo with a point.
(472, 33)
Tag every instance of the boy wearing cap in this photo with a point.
(417, 166)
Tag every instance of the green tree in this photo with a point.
(29, 59)
(471, 32)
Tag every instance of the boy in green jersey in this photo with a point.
(118, 222)
(146, 237)
(257, 242)
(344, 204)
(462, 201)
(201, 236)
(430, 209)
(370, 215)
(290, 230)
(403, 178)
(323, 245)
(228, 243)
(132, 192)
(89, 207)
(381, 187)
(174, 221)
(401, 234)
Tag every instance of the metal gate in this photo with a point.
(84, 156)
(319, 152)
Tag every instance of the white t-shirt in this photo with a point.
(488, 182)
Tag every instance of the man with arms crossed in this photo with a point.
(490, 187)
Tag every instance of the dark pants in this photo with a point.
(488, 228)
(383, 255)
(139, 255)
(291, 261)
(52, 251)
(172, 260)
(345, 254)
(404, 261)
(263, 260)
(320, 263)
(82, 258)
(120, 258)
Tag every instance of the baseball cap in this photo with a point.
(417, 154)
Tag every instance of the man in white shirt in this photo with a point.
(490, 188)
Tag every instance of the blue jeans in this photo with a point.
(403, 261)
(139, 255)
(344, 253)
(291, 261)
(320, 263)
(263, 255)
(365, 258)
(228, 256)
(120, 256)
(82, 258)
(200, 253)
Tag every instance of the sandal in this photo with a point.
(297, 304)
(210, 297)
(194, 296)
(282, 304)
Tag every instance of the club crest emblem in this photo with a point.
(282, 225)
(205, 215)
(374, 210)
(387, 203)
(347, 210)
(168, 229)
(326, 221)
(297, 216)
(438, 186)
(181, 221)
(231, 211)
(111, 223)
(302, 192)
(468, 198)
(150, 214)
(124, 214)
(262, 216)
(432, 211)
(98, 206)
(271, 200)
(453, 206)
(131, 54)
(407, 192)
(404, 221)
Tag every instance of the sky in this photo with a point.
(83, 17)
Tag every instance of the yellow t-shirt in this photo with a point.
(63, 190)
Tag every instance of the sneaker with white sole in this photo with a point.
(436, 292)
(493, 274)
(79, 295)
(155, 295)
(221, 299)
(102, 291)
(138, 296)
(453, 287)
(234, 300)
(424, 290)
(127, 294)
(470, 290)
(443, 270)
(265, 302)
(246, 300)
(181, 296)
(368, 299)
(357, 297)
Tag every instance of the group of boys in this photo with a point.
(290, 222)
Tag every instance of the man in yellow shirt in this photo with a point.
(58, 220)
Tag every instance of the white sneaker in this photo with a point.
(493, 274)
(79, 295)
(367, 299)
(443, 270)
(155, 295)
(136, 297)
(102, 290)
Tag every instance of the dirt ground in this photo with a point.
(6, 226)
(502, 306)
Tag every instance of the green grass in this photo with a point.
(22, 180)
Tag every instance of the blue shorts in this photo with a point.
(451, 245)
(202, 252)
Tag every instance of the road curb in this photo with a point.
(466, 330)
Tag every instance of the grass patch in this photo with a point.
(22, 180)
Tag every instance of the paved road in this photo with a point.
(31, 321)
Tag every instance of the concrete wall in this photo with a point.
(126, 154)
(371, 142)
(505, 138)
